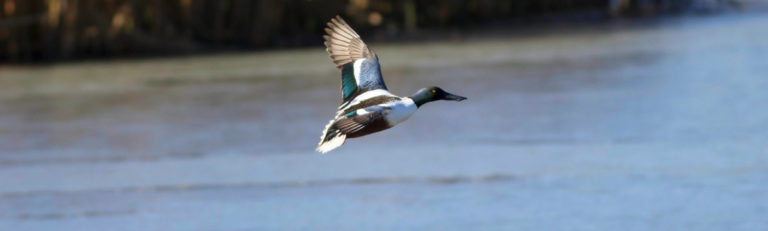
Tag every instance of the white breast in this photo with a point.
(401, 110)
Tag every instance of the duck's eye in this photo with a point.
(433, 91)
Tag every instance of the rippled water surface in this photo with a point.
(653, 126)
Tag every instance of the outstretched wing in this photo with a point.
(344, 44)
(360, 69)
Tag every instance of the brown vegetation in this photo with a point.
(33, 30)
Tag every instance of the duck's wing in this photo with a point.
(360, 69)
(354, 122)
(344, 44)
(336, 131)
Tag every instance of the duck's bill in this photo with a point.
(449, 96)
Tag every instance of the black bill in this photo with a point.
(449, 96)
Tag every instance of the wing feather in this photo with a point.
(343, 44)
(337, 130)
(345, 47)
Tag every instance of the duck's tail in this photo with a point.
(331, 139)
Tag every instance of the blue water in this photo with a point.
(622, 126)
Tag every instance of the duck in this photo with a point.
(367, 105)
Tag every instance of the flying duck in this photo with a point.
(367, 106)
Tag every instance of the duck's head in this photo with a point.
(429, 94)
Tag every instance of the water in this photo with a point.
(649, 126)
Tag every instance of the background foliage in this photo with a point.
(34, 30)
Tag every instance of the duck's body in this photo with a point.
(384, 109)
(367, 106)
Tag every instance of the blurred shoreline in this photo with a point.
(518, 28)
(73, 31)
